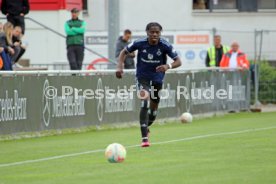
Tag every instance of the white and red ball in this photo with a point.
(115, 153)
(186, 117)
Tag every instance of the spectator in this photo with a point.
(216, 52)
(1, 48)
(6, 44)
(235, 58)
(75, 29)
(122, 42)
(17, 44)
(15, 10)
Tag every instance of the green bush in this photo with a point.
(267, 72)
(267, 83)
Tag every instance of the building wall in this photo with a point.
(178, 15)
(43, 45)
(174, 15)
(96, 17)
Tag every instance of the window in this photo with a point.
(240, 5)
(214, 4)
(200, 4)
(84, 5)
(247, 5)
(267, 4)
(224, 4)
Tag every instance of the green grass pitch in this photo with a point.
(232, 149)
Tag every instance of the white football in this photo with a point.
(186, 117)
(115, 153)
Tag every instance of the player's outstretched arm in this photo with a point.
(120, 65)
(164, 68)
(177, 63)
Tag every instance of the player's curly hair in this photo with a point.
(152, 24)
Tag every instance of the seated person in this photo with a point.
(17, 43)
(7, 45)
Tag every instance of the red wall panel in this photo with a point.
(70, 4)
(54, 4)
(46, 4)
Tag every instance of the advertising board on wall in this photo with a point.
(61, 102)
(191, 45)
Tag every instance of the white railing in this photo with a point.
(107, 71)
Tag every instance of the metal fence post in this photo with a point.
(113, 26)
(257, 59)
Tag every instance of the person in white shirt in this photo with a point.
(234, 58)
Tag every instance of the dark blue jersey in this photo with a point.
(151, 56)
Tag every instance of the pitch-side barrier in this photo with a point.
(32, 101)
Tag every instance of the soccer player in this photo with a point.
(150, 71)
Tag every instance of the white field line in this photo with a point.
(133, 146)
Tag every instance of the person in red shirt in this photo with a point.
(234, 58)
